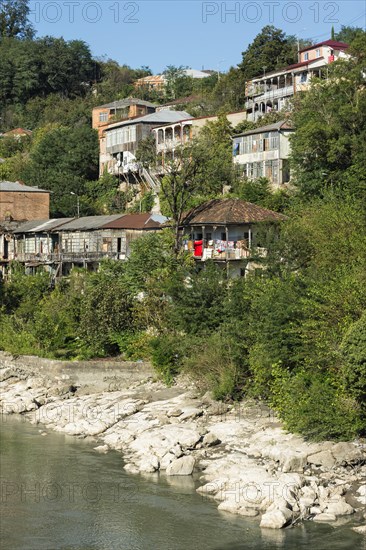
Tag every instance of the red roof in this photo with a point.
(135, 221)
(18, 132)
(331, 43)
(303, 63)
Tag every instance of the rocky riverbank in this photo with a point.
(240, 453)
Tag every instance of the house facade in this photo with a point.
(264, 152)
(228, 232)
(121, 109)
(58, 245)
(169, 137)
(272, 91)
(121, 140)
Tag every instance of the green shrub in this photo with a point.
(168, 354)
(354, 355)
(133, 346)
(312, 404)
(214, 363)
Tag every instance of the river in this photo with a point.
(58, 493)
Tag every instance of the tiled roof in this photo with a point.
(331, 43)
(303, 63)
(17, 186)
(18, 132)
(229, 212)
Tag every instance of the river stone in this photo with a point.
(340, 508)
(346, 453)
(325, 516)
(324, 458)
(361, 529)
(181, 466)
(101, 448)
(166, 460)
(210, 440)
(295, 462)
(149, 464)
(174, 413)
(276, 519)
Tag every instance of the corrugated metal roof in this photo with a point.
(229, 212)
(16, 186)
(137, 221)
(10, 226)
(281, 125)
(160, 117)
(89, 222)
(42, 226)
(120, 103)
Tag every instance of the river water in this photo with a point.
(58, 493)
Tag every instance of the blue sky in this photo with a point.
(193, 33)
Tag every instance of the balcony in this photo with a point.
(66, 257)
(225, 251)
(169, 144)
(275, 93)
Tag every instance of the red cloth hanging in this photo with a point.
(198, 248)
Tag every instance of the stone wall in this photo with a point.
(90, 376)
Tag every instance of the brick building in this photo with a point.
(21, 202)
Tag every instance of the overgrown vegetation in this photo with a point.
(293, 333)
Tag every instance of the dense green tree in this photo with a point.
(229, 91)
(105, 309)
(62, 160)
(177, 83)
(271, 49)
(348, 34)
(328, 147)
(14, 20)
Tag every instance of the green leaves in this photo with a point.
(328, 147)
(271, 49)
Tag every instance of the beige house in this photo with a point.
(264, 152)
(273, 90)
(121, 140)
(171, 136)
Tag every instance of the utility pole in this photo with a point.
(77, 203)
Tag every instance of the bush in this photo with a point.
(354, 354)
(311, 403)
(168, 354)
(133, 346)
(214, 363)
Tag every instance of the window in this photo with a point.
(273, 141)
(303, 77)
(317, 53)
(103, 117)
(306, 56)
